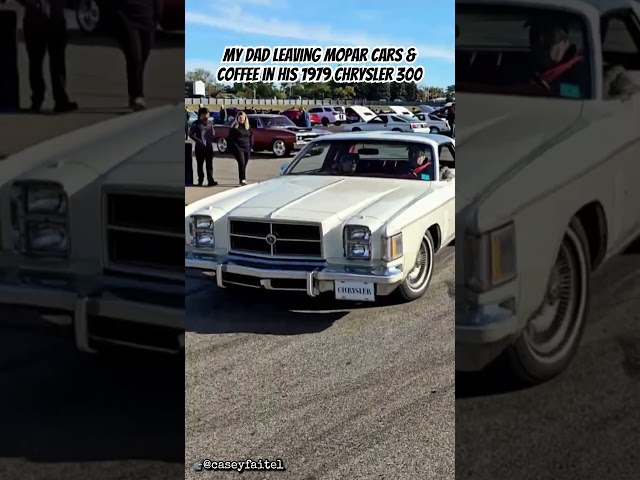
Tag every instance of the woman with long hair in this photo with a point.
(240, 143)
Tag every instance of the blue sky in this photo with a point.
(426, 24)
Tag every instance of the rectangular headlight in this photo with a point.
(491, 258)
(40, 197)
(202, 235)
(39, 215)
(47, 238)
(392, 248)
(357, 242)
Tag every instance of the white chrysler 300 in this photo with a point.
(86, 231)
(359, 214)
(554, 162)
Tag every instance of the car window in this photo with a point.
(621, 40)
(253, 122)
(398, 119)
(503, 49)
(315, 110)
(383, 118)
(379, 158)
(339, 109)
(447, 155)
(327, 109)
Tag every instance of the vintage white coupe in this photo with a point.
(358, 214)
(550, 184)
(87, 231)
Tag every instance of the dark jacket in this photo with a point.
(203, 134)
(138, 14)
(241, 138)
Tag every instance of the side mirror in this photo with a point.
(283, 167)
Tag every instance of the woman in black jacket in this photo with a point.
(240, 143)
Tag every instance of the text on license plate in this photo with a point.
(355, 291)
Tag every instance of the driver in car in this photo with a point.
(418, 164)
(347, 163)
(557, 61)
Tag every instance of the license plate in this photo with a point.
(355, 291)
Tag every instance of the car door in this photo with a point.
(447, 158)
(259, 134)
(621, 46)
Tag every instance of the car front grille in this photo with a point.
(275, 239)
(142, 233)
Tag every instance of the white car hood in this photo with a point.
(319, 198)
(500, 135)
(99, 151)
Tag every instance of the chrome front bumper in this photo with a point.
(482, 334)
(98, 305)
(313, 278)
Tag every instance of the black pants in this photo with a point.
(136, 45)
(42, 37)
(242, 157)
(204, 157)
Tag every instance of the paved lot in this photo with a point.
(334, 390)
(583, 425)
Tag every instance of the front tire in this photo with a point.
(279, 148)
(434, 130)
(222, 145)
(89, 16)
(417, 282)
(325, 122)
(549, 341)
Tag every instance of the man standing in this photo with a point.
(45, 31)
(135, 23)
(451, 118)
(202, 134)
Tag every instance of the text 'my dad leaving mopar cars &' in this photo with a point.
(87, 231)
(551, 190)
(348, 215)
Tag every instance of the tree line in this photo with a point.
(363, 91)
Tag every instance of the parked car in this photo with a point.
(274, 133)
(89, 237)
(92, 16)
(435, 124)
(358, 113)
(538, 217)
(361, 235)
(295, 116)
(329, 115)
(387, 122)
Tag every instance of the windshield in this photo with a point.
(362, 158)
(280, 121)
(526, 51)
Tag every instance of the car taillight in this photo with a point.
(415, 125)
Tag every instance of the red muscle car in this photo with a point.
(274, 133)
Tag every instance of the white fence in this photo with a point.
(276, 102)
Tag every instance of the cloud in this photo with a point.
(235, 20)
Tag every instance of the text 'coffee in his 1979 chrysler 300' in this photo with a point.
(86, 231)
(552, 185)
(359, 214)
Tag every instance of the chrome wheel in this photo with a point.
(434, 130)
(420, 275)
(88, 15)
(222, 145)
(279, 148)
(552, 333)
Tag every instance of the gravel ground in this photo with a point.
(584, 424)
(334, 391)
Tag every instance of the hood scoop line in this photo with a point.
(303, 197)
